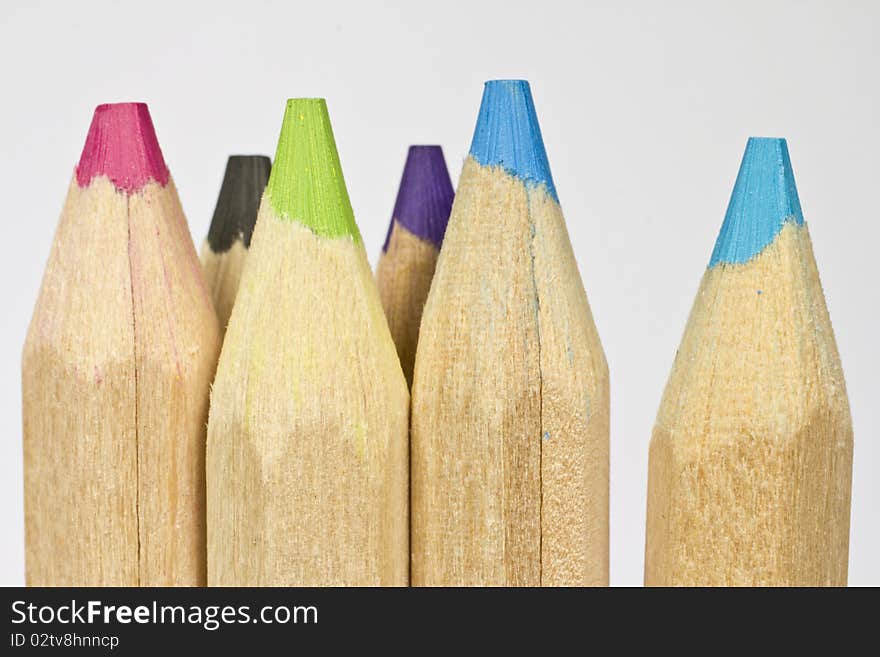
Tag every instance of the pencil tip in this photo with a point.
(764, 199)
(236, 211)
(424, 198)
(306, 183)
(508, 134)
(122, 146)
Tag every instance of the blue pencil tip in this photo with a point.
(508, 135)
(764, 199)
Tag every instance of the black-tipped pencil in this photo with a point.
(224, 251)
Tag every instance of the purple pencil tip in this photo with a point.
(424, 199)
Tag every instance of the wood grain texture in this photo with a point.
(222, 276)
(751, 455)
(116, 369)
(307, 440)
(510, 401)
(404, 274)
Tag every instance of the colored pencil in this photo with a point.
(409, 255)
(751, 455)
(229, 236)
(307, 439)
(510, 390)
(117, 365)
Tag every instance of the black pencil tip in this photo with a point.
(239, 200)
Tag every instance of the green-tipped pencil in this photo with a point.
(307, 463)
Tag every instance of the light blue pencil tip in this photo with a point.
(508, 135)
(764, 198)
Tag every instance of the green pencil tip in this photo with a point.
(306, 183)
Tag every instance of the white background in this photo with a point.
(645, 110)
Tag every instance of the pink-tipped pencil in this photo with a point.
(117, 365)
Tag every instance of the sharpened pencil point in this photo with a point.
(122, 146)
(125, 337)
(508, 134)
(764, 198)
(424, 198)
(236, 211)
(750, 459)
(306, 183)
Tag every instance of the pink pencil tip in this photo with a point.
(122, 146)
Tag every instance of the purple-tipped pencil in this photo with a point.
(409, 255)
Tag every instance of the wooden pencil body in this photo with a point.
(79, 397)
(307, 445)
(510, 400)
(751, 455)
(404, 274)
(222, 276)
(116, 369)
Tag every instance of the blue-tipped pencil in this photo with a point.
(751, 456)
(510, 390)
